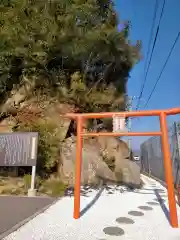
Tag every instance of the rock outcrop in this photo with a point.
(104, 158)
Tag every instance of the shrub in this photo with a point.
(53, 187)
(48, 144)
(27, 181)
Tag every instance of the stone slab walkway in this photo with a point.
(111, 213)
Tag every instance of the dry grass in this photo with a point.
(12, 186)
(19, 186)
(53, 187)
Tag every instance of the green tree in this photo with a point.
(70, 48)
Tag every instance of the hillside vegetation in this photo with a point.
(59, 56)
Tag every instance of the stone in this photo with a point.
(152, 203)
(32, 192)
(6, 126)
(124, 220)
(94, 165)
(146, 208)
(114, 231)
(136, 213)
(128, 172)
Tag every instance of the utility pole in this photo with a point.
(129, 108)
(129, 125)
(130, 99)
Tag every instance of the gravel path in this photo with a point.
(114, 213)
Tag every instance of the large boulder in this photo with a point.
(117, 166)
(125, 169)
(114, 147)
(93, 165)
(128, 172)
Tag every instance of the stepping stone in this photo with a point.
(124, 220)
(159, 200)
(113, 231)
(152, 203)
(146, 208)
(159, 190)
(136, 213)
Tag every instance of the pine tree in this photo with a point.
(69, 46)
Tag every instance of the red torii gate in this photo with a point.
(162, 114)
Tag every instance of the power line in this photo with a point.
(168, 57)
(154, 43)
(149, 44)
(151, 33)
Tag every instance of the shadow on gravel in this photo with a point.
(162, 204)
(144, 191)
(84, 210)
(86, 190)
(157, 192)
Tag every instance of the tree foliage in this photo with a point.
(69, 47)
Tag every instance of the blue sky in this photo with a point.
(167, 93)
